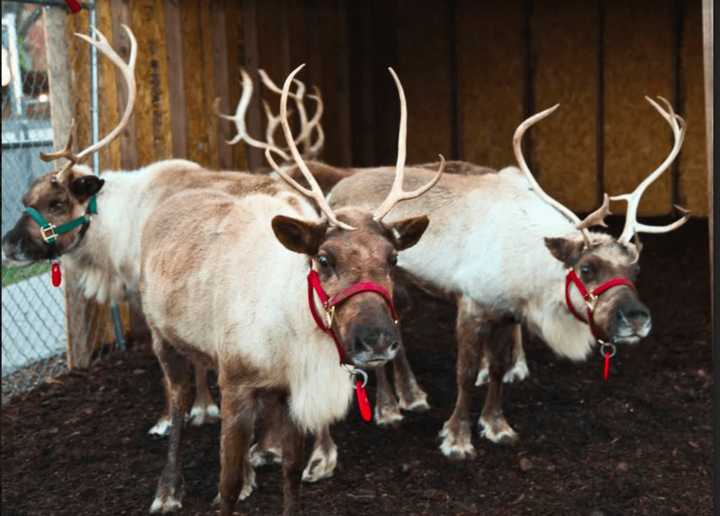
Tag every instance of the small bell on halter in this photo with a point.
(55, 273)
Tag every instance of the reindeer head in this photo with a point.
(58, 204)
(601, 270)
(353, 246)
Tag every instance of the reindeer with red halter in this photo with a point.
(520, 256)
(277, 299)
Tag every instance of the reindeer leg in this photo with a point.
(176, 368)
(387, 412)
(237, 476)
(204, 410)
(323, 458)
(410, 394)
(268, 449)
(492, 422)
(518, 372)
(293, 454)
(162, 427)
(456, 435)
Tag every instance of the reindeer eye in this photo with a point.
(393, 259)
(324, 261)
(57, 205)
(586, 271)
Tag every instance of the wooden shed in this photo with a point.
(472, 71)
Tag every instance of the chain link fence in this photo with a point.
(33, 311)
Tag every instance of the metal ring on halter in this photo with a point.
(354, 371)
(604, 346)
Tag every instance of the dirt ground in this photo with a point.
(639, 444)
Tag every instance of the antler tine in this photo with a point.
(597, 218)
(397, 194)
(239, 119)
(646, 228)
(128, 72)
(298, 96)
(314, 123)
(632, 226)
(273, 122)
(64, 153)
(315, 192)
(517, 149)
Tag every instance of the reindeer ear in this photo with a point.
(564, 249)
(406, 233)
(299, 236)
(85, 186)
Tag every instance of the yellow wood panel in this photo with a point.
(423, 68)
(564, 145)
(210, 121)
(491, 67)
(152, 107)
(235, 52)
(79, 59)
(638, 62)
(693, 160)
(108, 112)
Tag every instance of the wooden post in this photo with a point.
(708, 60)
(254, 120)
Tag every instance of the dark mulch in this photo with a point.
(639, 444)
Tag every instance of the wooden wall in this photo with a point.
(471, 70)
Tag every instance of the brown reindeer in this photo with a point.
(519, 256)
(223, 285)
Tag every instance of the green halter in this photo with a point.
(50, 232)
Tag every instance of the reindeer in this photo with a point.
(235, 295)
(520, 256)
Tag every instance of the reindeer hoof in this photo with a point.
(165, 503)
(518, 372)
(204, 414)
(497, 431)
(387, 417)
(263, 456)
(419, 404)
(456, 445)
(321, 465)
(161, 429)
(249, 485)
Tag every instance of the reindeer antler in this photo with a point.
(397, 194)
(128, 72)
(632, 226)
(66, 153)
(315, 192)
(564, 210)
(597, 218)
(298, 96)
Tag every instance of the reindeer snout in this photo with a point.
(371, 345)
(633, 319)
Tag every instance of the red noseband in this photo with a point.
(590, 297)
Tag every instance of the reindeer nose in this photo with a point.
(636, 315)
(376, 341)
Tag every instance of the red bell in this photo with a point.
(55, 274)
(363, 403)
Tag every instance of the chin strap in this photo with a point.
(50, 232)
(329, 304)
(607, 349)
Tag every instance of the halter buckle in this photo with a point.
(591, 301)
(330, 312)
(48, 233)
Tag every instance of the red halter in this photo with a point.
(329, 304)
(590, 298)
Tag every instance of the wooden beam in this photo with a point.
(120, 14)
(176, 88)
(218, 18)
(254, 120)
(707, 21)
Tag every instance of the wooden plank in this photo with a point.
(252, 63)
(708, 56)
(361, 73)
(423, 49)
(236, 60)
(120, 13)
(693, 180)
(638, 62)
(198, 146)
(342, 87)
(566, 72)
(152, 109)
(491, 68)
(108, 111)
(217, 20)
(176, 89)
(209, 121)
